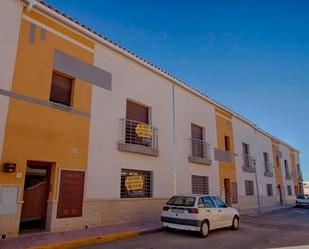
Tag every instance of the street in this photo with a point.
(284, 228)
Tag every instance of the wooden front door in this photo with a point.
(36, 191)
(279, 189)
(227, 190)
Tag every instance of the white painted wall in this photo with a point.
(131, 81)
(264, 144)
(192, 109)
(258, 143)
(243, 133)
(10, 18)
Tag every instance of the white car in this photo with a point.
(200, 213)
(302, 201)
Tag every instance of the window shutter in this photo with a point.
(137, 112)
(71, 193)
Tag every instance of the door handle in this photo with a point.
(219, 210)
(208, 211)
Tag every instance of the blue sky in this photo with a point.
(252, 56)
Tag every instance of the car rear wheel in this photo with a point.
(204, 229)
(235, 223)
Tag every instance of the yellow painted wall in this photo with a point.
(294, 169)
(278, 173)
(224, 128)
(39, 133)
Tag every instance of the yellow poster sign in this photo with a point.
(134, 183)
(143, 130)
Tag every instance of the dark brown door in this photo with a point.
(227, 189)
(36, 192)
(280, 193)
(71, 194)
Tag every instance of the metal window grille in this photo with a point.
(129, 135)
(200, 185)
(199, 148)
(146, 191)
(269, 189)
(247, 161)
(249, 187)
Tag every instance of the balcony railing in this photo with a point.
(199, 151)
(268, 169)
(138, 137)
(248, 163)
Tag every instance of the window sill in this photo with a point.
(140, 149)
(199, 160)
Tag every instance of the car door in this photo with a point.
(211, 212)
(225, 214)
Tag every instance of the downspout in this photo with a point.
(174, 143)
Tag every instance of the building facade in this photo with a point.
(87, 126)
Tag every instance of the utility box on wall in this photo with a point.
(9, 167)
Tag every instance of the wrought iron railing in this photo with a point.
(248, 163)
(199, 149)
(138, 133)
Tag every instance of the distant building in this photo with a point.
(306, 188)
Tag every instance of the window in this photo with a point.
(197, 141)
(71, 193)
(277, 161)
(137, 112)
(208, 202)
(135, 115)
(136, 183)
(266, 161)
(181, 201)
(234, 193)
(289, 189)
(200, 185)
(269, 189)
(61, 89)
(245, 149)
(286, 166)
(218, 202)
(246, 155)
(227, 143)
(249, 187)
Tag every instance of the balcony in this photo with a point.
(199, 152)
(138, 137)
(268, 169)
(248, 163)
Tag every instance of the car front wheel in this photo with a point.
(204, 229)
(235, 223)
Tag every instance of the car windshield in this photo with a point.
(186, 201)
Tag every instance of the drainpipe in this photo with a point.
(174, 143)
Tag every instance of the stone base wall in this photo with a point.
(252, 201)
(9, 224)
(108, 212)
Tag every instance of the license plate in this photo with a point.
(178, 211)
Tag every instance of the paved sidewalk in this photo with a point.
(258, 211)
(71, 239)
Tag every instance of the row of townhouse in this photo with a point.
(91, 134)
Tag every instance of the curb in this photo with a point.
(95, 239)
(261, 212)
